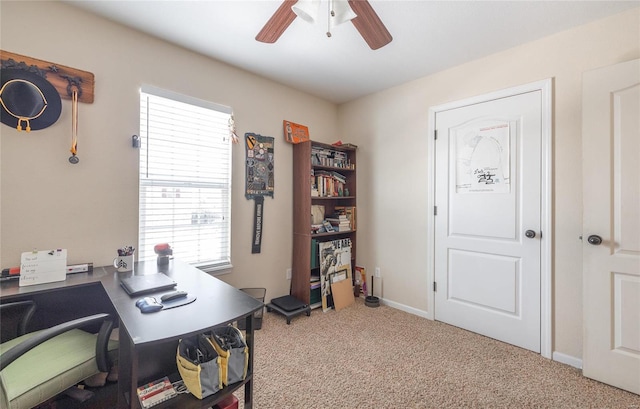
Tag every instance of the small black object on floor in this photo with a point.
(289, 306)
(371, 300)
(105, 397)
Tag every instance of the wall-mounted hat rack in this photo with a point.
(64, 79)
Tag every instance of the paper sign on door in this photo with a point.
(482, 158)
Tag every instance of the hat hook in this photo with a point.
(73, 82)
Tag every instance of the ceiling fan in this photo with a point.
(366, 22)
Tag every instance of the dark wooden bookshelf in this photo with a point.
(302, 202)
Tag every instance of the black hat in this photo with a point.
(28, 100)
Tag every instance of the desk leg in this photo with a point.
(248, 387)
(127, 372)
(133, 393)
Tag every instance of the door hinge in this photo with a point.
(435, 134)
(435, 287)
(435, 210)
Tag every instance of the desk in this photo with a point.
(148, 342)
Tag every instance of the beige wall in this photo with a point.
(91, 208)
(390, 129)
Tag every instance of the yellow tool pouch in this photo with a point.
(233, 351)
(199, 365)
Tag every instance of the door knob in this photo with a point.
(594, 239)
(530, 234)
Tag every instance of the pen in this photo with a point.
(126, 251)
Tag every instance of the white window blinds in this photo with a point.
(185, 178)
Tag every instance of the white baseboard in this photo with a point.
(405, 308)
(567, 359)
(556, 356)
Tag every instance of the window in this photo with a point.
(185, 178)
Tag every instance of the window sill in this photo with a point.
(217, 269)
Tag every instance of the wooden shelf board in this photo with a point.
(63, 78)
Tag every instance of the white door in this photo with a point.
(488, 221)
(611, 225)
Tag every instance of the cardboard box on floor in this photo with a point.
(342, 292)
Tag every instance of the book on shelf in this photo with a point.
(334, 158)
(155, 392)
(339, 177)
(341, 223)
(314, 186)
(327, 226)
(314, 255)
(349, 212)
(341, 218)
(329, 184)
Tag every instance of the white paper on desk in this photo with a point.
(46, 266)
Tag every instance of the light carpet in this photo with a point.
(363, 357)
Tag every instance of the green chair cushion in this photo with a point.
(49, 368)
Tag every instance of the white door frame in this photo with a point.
(545, 86)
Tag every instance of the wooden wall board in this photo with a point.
(63, 78)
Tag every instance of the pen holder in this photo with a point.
(123, 263)
(163, 260)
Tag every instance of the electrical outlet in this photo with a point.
(377, 273)
(288, 274)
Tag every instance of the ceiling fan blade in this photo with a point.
(369, 24)
(279, 22)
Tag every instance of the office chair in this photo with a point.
(15, 318)
(37, 366)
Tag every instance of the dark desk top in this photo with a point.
(217, 302)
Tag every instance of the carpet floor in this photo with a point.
(363, 357)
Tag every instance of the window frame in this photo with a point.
(223, 264)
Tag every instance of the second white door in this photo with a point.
(611, 258)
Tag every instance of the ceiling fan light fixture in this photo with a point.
(340, 12)
(307, 10)
(362, 16)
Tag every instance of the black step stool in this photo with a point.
(289, 306)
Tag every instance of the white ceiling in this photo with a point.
(428, 36)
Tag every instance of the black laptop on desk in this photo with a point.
(146, 283)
